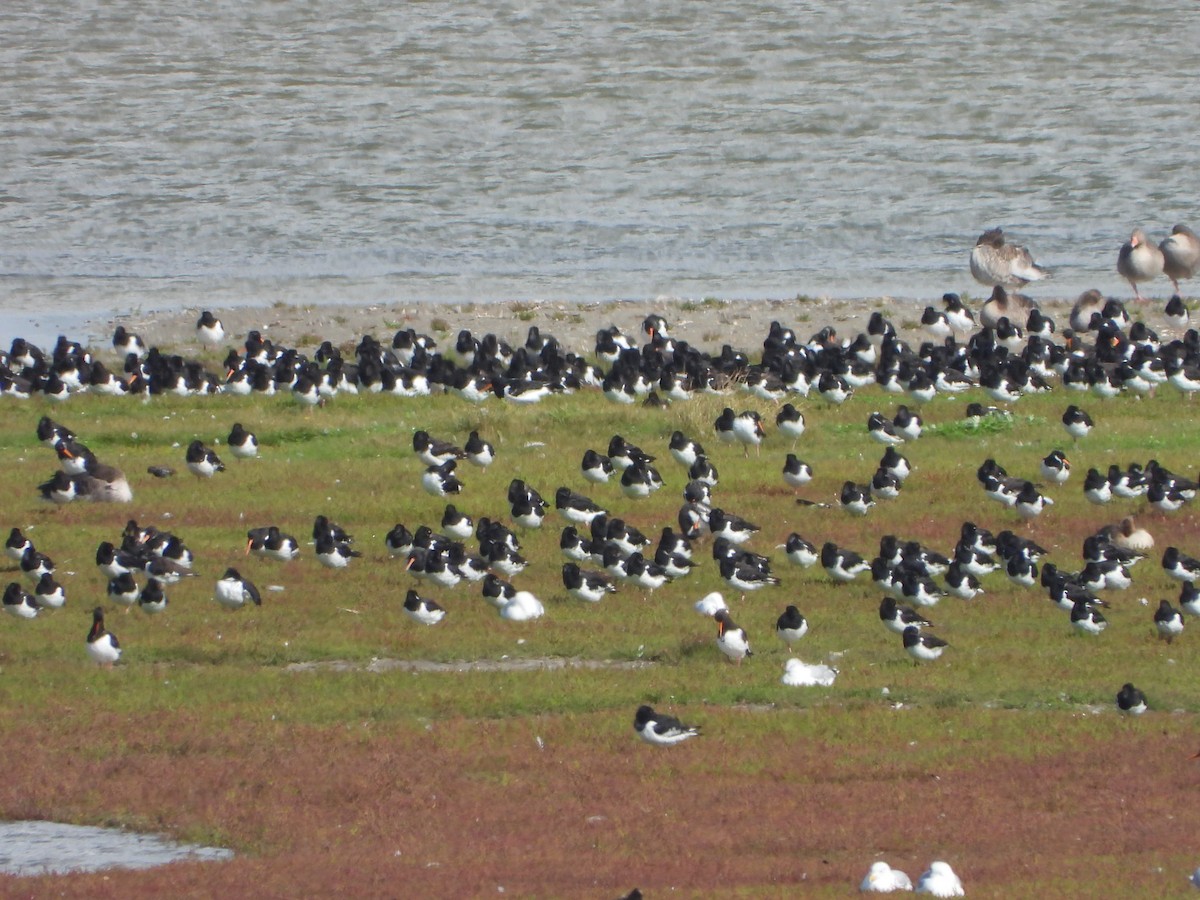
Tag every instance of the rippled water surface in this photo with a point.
(38, 848)
(318, 152)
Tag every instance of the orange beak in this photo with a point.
(249, 544)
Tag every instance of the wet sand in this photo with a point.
(705, 324)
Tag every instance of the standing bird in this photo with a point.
(102, 645)
(1181, 254)
(1139, 260)
(1077, 422)
(993, 262)
(791, 626)
(922, 647)
(660, 729)
(479, 452)
(233, 591)
(731, 640)
(242, 443)
(1130, 700)
(422, 609)
(203, 462)
(1168, 621)
(209, 329)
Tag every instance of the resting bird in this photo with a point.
(660, 729)
(993, 262)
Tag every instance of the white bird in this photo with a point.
(522, 607)
(883, 879)
(710, 604)
(801, 674)
(731, 640)
(940, 881)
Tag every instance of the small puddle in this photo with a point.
(45, 848)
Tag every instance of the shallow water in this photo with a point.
(39, 848)
(233, 153)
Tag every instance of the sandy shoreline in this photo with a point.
(707, 324)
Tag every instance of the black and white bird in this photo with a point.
(799, 551)
(242, 443)
(895, 464)
(640, 480)
(1030, 502)
(153, 598)
(478, 451)
(842, 565)
(422, 609)
(1130, 700)
(1086, 618)
(19, 602)
(123, 590)
(789, 421)
(908, 424)
(897, 618)
(434, 452)
(103, 648)
(209, 329)
(440, 481)
(586, 585)
(202, 461)
(16, 545)
(660, 729)
(272, 543)
(1056, 468)
(596, 467)
(233, 591)
(796, 472)
(731, 639)
(334, 554)
(882, 430)
(126, 342)
(1077, 423)
(922, 647)
(791, 626)
(856, 498)
(733, 528)
(684, 450)
(1180, 566)
(1168, 621)
(576, 508)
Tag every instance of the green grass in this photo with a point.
(1014, 667)
(352, 461)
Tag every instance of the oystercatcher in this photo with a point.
(660, 729)
(791, 626)
(203, 462)
(242, 443)
(102, 645)
(1168, 621)
(422, 609)
(731, 639)
(922, 647)
(1130, 700)
(233, 591)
